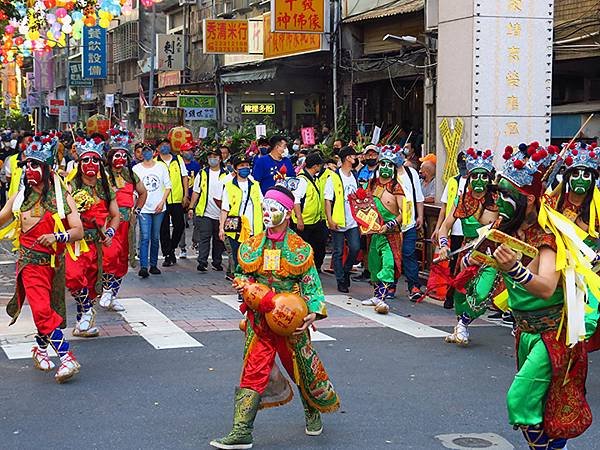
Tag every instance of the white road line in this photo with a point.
(17, 340)
(232, 301)
(394, 321)
(154, 326)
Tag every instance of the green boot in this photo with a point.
(314, 425)
(244, 412)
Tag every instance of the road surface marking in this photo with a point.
(16, 340)
(154, 326)
(393, 321)
(232, 301)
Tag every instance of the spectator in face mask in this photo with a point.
(226, 158)
(193, 168)
(276, 164)
(177, 201)
(296, 146)
(370, 164)
(263, 146)
(206, 199)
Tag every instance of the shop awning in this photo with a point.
(390, 9)
(577, 108)
(248, 76)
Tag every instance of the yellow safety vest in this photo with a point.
(15, 175)
(203, 200)
(176, 195)
(321, 182)
(312, 203)
(338, 213)
(234, 193)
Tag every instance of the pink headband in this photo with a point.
(280, 198)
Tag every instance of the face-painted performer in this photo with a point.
(385, 249)
(125, 183)
(281, 260)
(540, 403)
(100, 217)
(46, 221)
(475, 208)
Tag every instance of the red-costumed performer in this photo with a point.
(45, 222)
(126, 184)
(100, 217)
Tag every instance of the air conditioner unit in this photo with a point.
(224, 8)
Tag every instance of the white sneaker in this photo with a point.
(41, 360)
(68, 367)
(373, 301)
(115, 305)
(106, 299)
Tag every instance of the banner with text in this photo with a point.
(277, 45)
(198, 107)
(300, 16)
(94, 53)
(225, 36)
(157, 122)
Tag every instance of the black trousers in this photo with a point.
(316, 235)
(170, 240)
(207, 230)
(456, 242)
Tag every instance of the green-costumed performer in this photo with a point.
(282, 263)
(475, 209)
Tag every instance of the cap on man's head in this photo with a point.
(347, 151)
(239, 159)
(429, 157)
(372, 148)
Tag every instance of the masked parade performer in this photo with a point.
(45, 222)
(385, 247)
(547, 297)
(283, 262)
(475, 208)
(126, 184)
(577, 197)
(100, 217)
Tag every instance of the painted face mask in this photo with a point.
(33, 173)
(273, 213)
(479, 181)
(506, 202)
(119, 160)
(580, 181)
(90, 165)
(386, 169)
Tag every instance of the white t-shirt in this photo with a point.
(300, 191)
(156, 180)
(404, 180)
(350, 186)
(249, 211)
(457, 227)
(215, 192)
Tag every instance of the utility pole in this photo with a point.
(68, 95)
(334, 35)
(152, 57)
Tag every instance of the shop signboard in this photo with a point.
(64, 117)
(198, 107)
(94, 53)
(258, 108)
(54, 105)
(308, 136)
(225, 36)
(158, 120)
(76, 75)
(277, 44)
(300, 16)
(169, 52)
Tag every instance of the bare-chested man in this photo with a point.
(385, 249)
(39, 209)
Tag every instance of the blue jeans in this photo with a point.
(410, 264)
(352, 237)
(149, 235)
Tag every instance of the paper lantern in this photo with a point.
(98, 123)
(288, 314)
(179, 136)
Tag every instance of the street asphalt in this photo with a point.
(397, 391)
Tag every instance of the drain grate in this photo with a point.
(472, 442)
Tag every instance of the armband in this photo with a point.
(62, 238)
(520, 273)
(110, 232)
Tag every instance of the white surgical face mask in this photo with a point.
(286, 152)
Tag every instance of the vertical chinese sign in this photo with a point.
(300, 16)
(43, 72)
(284, 44)
(223, 36)
(512, 88)
(94, 53)
(169, 52)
